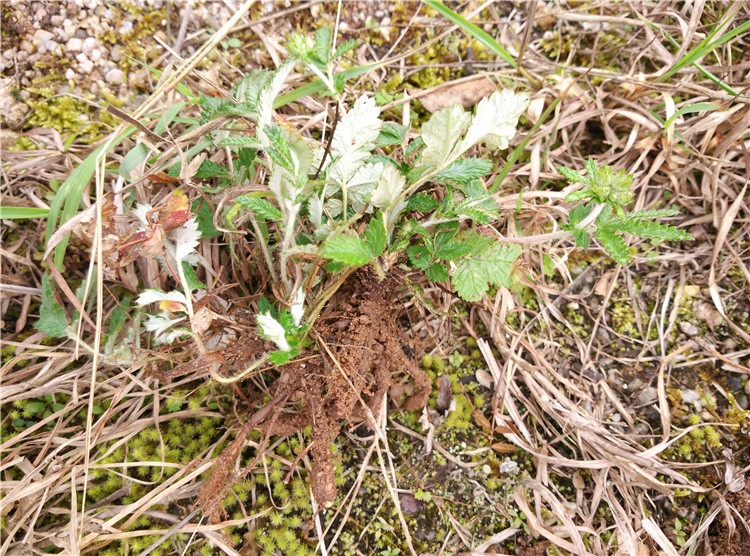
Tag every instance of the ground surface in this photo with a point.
(593, 408)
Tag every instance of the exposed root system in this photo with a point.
(358, 355)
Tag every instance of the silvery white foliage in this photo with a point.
(179, 244)
(156, 296)
(494, 123)
(271, 329)
(390, 185)
(285, 193)
(140, 212)
(184, 240)
(354, 139)
(297, 308)
(386, 195)
(266, 98)
(163, 327)
(496, 119)
(362, 183)
(441, 135)
(333, 207)
(315, 209)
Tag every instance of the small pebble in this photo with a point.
(692, 397)
(89, 44)
(74, 44)
(706, 416)
(84, 64)
(647, 395)
(507, 467)
(689, 328)
(734, 383)
(115, 76)
(743, 401)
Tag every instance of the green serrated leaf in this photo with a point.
(279, 357)
(391, 134)
(651, 214)
(261, 208)
(209, 169)
(577, 214)
(352, 250)
(52, 319)
(265, 306)
(421, 202)
(280, 151)
(477, 204)
(614, 244)
(344, 48)
(191, 277)
(490, 265)
(204, 214)
(581, 238)
(322, 49)
(239, 141)
(414, 146)
(580, 195)
(437, 272)
(375, 235)
(652, 230)
(348, 249)
(464, 170)
(419, 256)
(448, 248)
(572, 176)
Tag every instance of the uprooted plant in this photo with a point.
(332, 223)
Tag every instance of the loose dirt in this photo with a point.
(357, 360)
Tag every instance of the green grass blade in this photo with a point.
(469, 28)
(67, 200)
(688, 109)
(22, 213)
(702, 49)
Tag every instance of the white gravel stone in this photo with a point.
(41, 38)
(115, 76)
(89, 45)
(69, 27)
(689, 328)
(74, 45)
(647, 396)
(84, 64)
(70, 74)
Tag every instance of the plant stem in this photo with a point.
(537, 239)
(264, 248)
(590, 217)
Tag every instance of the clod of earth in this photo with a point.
(358, 351)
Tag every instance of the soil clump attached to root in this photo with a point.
(358, 349)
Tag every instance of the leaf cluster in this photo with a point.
(607, 192)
